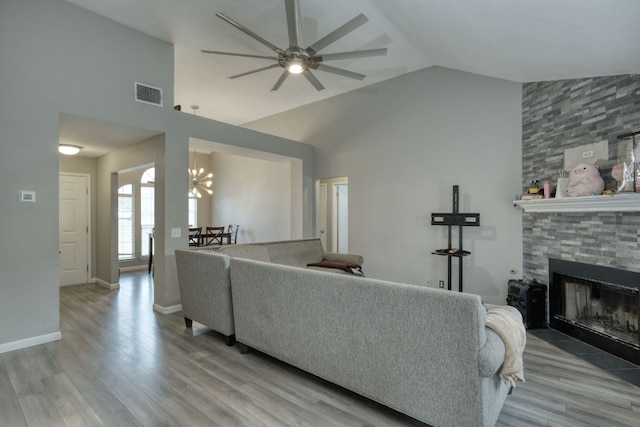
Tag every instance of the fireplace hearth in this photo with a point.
(596, 304)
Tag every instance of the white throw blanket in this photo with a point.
(511, 330)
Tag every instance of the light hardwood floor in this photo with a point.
(121, 364)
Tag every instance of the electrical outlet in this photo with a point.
(441, 283)
(587, 154)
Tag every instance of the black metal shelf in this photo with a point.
(451, 252)
(460, 220)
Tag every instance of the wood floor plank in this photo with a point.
(21, 372)
(143, 408)
(42, 363)
(40, 411)
(83, 375)
(9, 404)
(119, 363)
(69, 402)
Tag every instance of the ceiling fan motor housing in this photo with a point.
(294, 57)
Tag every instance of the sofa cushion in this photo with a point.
(348, 267)
(353, 258)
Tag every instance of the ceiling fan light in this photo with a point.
(69, 149)
(295, 66)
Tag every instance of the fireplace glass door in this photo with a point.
(604, 308)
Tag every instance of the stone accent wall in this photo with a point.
(565, 114)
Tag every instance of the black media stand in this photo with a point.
(461, 220)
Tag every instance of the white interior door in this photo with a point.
(74, 230)
(341, 216)
(321, 214)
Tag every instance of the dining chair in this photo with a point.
(233, 233)
(213, 235)
(195, 234)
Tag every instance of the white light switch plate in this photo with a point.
(176, 232)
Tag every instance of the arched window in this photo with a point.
(148, 177)
(147, 208)
(125, 222)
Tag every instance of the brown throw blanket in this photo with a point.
(349, 267)
(511, 330)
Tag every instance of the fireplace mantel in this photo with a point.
(621, 202)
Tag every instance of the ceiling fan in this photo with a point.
(298, 60)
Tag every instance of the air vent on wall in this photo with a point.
(148, 94)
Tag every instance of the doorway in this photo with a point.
(135, 216)
(332, 213)
(73, 228)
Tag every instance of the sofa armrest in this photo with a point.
(350, 258)
(492, 353)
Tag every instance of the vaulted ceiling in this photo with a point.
(517, 40)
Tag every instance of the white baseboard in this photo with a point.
(167, 310)
(110, 286)
(134, 267)
(30, 342)
(91, 280)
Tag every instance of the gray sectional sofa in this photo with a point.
(205, 290)
(204, 282)
(424, 352)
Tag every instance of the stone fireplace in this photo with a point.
(596, 304)
(560, 115)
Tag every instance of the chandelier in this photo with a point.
(199, 181)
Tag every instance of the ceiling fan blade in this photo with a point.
(216, 52)
(255, 71)
(338, 71)
(337, 34)
(281, 80)
(293, 22)
(249, 32)
(349, 55)
(313, 80)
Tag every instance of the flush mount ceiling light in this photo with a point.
(69, 149)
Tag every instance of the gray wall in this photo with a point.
(56, 58)
(59, 58)
(403, 144)
(565, 114)
(254, 194)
